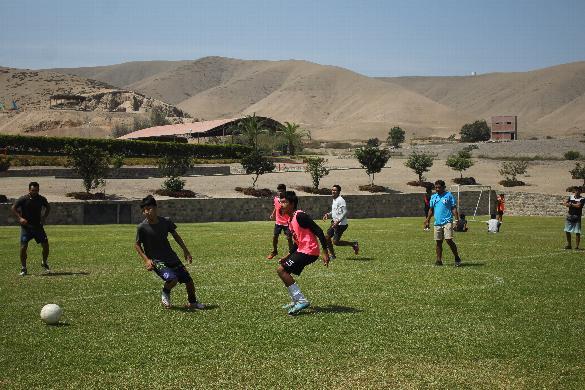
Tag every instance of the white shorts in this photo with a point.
(444, 232)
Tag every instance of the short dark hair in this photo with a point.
(338, 187)
(281, 187)
(33, 184)
(462, 215)
(440, 182)
(493, 216)
(291, 197)
(148, 201)
(502, 195)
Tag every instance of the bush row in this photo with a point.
(20, 144)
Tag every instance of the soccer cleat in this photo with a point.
(165, 299)
(195, 306)
(271, 255)
(288, 306)
(438, 262)
(568, 247)
(332, 257)
(457, 262)
(356, 248)
(46, 269)
(23, 272)
(298, 307)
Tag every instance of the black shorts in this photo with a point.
(337, 231)
(500, 213)
(297, 262)
(37, 233)
(281, 228)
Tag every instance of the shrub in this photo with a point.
(511, 169)
(373, 142)
(313, 190)
(19, 144)
(120, 129)
(420, 163)
(176, 194)
(460, 162)
(117, 161)
(255, 163)
(465, 180)
(476, 131)
(90, 163)
(572, 155)
(372, 188)
(317, 169)
(512, 183)
(173, 166)
(372, 159)
(157, 117)
(4, 163)
(578, 172)
(395, 136)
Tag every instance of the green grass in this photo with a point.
(512, 317)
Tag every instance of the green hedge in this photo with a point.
(20, 144)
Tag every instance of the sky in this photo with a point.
(371, 37)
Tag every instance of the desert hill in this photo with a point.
(335, 103)
(549, 100)
(332, 102)
(96, 104)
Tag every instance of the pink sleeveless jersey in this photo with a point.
(304, 238)
(280, 219)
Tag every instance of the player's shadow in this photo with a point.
(66, 273)
(60, 324)
(471, 264)
(187, 310)
(332, 309)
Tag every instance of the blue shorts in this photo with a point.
(28, 233)
(337, 231)
(281, 228)
(168, 274)
(573, 227)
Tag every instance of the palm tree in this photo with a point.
(293, 134)
(251, 127)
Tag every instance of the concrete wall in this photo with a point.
(122, 173)
(238, 209)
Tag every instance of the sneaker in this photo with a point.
(23, 272)
(165, 299)
(356, 248)
(46, 269)
(298, 307)
(271, 255)
(438, 262)
(457, 262)
(288, 306)
(195, 306)
(332, 257)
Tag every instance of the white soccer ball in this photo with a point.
(51, 313)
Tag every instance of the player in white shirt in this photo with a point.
(339, 223)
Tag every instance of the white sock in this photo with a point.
(295, 293)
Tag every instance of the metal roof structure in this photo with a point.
(218, 127)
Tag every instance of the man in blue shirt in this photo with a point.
(443, 206)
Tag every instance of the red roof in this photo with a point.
(178, 130)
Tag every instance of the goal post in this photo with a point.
(470, 196)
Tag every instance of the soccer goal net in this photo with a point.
(473, 198)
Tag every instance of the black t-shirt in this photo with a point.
(576, 210)
(31, 208)
(154, 240)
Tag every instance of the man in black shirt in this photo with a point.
(153, 246)
(29, 211)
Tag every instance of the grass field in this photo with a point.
(512, 317)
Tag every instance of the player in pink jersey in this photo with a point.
(281, 222)
(306, 236)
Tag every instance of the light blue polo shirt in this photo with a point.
(442, 206)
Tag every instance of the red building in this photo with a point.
(504, 127)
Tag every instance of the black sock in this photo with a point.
(166, 290)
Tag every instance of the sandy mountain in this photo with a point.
(122, 75)
(97, 104)
(545, 100)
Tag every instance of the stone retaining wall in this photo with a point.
(237, 209)
(122, 173)
(524, 203)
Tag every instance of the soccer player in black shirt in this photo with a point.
(153, 246)
(29, 211)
